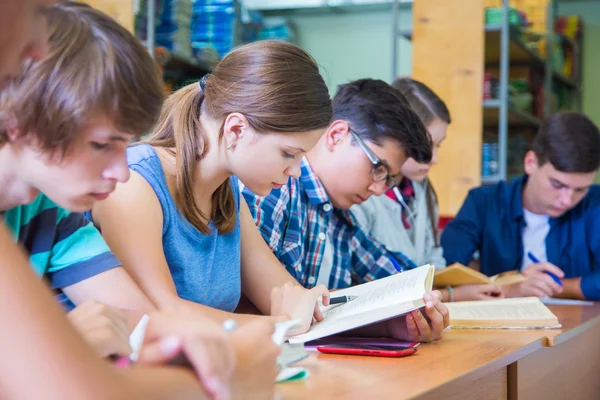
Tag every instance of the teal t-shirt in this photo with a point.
(63, 246)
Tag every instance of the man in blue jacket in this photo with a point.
(547, 222)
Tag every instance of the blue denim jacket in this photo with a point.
(491, 221)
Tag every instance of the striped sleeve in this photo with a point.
(79, 252)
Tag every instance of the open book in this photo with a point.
(376, 301)
(456, 275)
(524, 312)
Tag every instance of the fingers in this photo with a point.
(429, 300)
(119, 321)
(542, 268)
(545, 283)
(412, 331)
(318, 314)
(210, 362)
(425, 334)
(161, 351)
(321, 291)
(549, 267)
(436, 322)
(444, 312)
(489, 289)
(436, 294)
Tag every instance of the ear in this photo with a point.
(531, 162)
(336, 134)
(234, 126)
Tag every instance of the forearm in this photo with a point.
(257, 285)
(179, 305)
(165, 383)
(572, 289)
(62, 364)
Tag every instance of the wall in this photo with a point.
(590, 11)
(349, 45)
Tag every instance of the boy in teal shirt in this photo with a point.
(63, 134)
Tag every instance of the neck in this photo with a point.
(315, 159)
(15, 191)
(214, 168)
(528, 200)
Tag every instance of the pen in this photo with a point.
(341, 299)
(536, 260)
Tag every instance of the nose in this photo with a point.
(293, 170)
(434, 156)
(118, 170)
(378, 188)
(567, 197)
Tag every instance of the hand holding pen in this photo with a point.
(539, 282)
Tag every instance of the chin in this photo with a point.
(79, 204)
(260, 190)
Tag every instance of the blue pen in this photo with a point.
(536, 260)
(395, 264)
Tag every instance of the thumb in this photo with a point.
(489, 288)
(161, 351)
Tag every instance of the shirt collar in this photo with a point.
(516, 199)
(312, 185)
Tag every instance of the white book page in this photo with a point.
(376, 301)
(387, 292)
(530, 308)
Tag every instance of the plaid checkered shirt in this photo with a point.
(298, 218)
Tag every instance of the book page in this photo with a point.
(410, 290)
(456, 275)
(376, 301)
(392, 293)
(529, 308)
(404, 287)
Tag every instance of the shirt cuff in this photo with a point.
(589, 287)
(83, 270)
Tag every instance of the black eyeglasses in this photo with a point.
(380, 171)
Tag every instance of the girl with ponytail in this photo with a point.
(179, 225)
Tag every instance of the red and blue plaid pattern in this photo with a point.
(295, 220)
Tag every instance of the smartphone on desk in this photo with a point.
(367, 350)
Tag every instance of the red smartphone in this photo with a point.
(367, 350)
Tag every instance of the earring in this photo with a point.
(229, 146)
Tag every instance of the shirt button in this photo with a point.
(311, 280)
(321, 236)
(327, 207)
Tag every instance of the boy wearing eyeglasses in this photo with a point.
(306, 223)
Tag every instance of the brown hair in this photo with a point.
(95, 69)
(275, 85)
(428, 106)
(376, 111)
(569, 141)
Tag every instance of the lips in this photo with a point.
(359, 199)
(100, 196)
(277, 185)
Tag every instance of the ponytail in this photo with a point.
(180, 131)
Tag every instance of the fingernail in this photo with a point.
(170, 344)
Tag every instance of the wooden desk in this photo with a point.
(469, 364)
(568, 367)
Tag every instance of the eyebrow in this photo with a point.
(296, 148)
(569, 187)
(119, 138)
